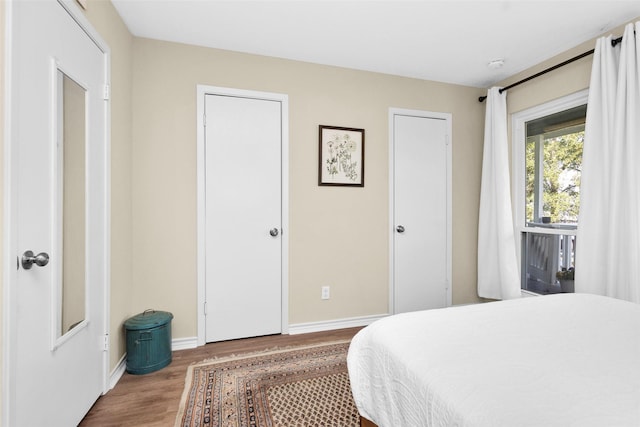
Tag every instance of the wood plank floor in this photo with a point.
(153, 399)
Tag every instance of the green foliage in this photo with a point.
(566, 274)
(562, 164)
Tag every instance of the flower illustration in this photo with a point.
(339, 159)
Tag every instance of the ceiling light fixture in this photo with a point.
(495, 64)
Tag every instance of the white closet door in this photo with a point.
(420, 217)
(243, 138)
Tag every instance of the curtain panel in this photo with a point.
(498, 272)
(608, 252)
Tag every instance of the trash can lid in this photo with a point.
(148, 319)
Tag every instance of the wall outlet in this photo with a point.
(325, 292)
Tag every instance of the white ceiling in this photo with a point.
(447, 41)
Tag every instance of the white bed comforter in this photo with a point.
(561, 360)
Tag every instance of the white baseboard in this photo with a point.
(121, 367)
(184, 343)
(299, 328)
(118, 371)
(328, 325)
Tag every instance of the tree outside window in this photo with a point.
(554, 191)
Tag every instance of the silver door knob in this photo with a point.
(28, 259)
(400, 229)
(273, 232)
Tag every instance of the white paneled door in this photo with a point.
(243, 216)
(57, 244)
(420, 210)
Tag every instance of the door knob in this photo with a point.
(273, 232)
(28, 259)
(400, 229)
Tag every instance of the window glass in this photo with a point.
(550, 164)
(548, 262)
(553, 156)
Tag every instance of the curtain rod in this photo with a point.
(614, 42)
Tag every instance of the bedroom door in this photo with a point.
(57, 243)
(420, 211)
(243, 219)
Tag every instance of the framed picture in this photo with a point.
(341, 156)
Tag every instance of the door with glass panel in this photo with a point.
(57, 218)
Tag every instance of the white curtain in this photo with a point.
(608, 240)
(498, 272)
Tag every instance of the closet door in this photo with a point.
(420, 210)
(243, 138)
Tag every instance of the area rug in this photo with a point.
(292, 387)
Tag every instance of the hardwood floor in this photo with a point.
(153, 399)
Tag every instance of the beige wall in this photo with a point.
(556, 84)
(107, 22)
(337, 236)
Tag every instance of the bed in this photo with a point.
(558, 360)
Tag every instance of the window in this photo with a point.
(553, 160)
(547, 149)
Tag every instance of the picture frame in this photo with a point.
(340, 156)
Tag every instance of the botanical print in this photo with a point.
(341, 151)
(339, 159)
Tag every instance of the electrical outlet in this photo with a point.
(325, 292)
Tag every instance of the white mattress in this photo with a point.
(558, 360)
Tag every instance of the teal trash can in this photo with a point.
(148, 341)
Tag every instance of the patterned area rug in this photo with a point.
(293, 387)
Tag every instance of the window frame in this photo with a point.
(518, 167)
